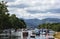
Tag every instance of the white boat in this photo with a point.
(16, 33)
(45, 31)
(50, 37)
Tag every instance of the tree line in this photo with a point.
(53, 26)
(8, 21)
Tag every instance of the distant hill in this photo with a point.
(51, 20)
(35, 22)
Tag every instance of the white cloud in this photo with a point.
(37, 4)
(46, 15)
(41, 5)
(21, 13)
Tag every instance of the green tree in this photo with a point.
(16, 22)
(4, 16)
(7, 21)
(53, 26)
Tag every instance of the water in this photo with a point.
(10, 37)
(37, 37)
(13, 37)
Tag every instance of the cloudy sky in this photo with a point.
(31, 9)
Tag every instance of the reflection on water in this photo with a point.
(10, 37)
(13, 37)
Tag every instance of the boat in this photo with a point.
(45, 31)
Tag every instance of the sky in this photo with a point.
(34, 9)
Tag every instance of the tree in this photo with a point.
(16, 22)
(4, 15)
(53, 26)
(7, 21)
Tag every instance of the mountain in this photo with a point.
(35, 22)
(51, 20)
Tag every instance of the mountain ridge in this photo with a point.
(36, 22)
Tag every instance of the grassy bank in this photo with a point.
(57, 35)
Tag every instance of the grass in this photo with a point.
(57, 35)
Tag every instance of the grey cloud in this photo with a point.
(9, 0)
(19, 6)
(39, 11)
(54, 10)
(36, 11)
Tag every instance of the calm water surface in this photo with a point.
(1, 37)
(37, 37)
